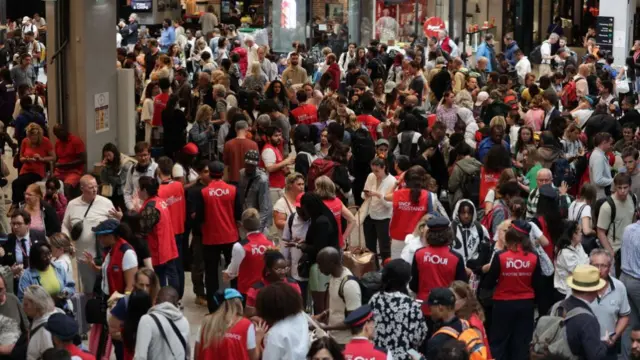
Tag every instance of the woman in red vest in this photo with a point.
(326, 189)
(516, 273)
(275, 269)
(226, 334)
(410, 204)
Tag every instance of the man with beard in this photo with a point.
(274, 163)
(294, 73)
(253, 189)
(145, 167)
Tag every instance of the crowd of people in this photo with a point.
(499, 205)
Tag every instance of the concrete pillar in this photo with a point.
(622, 12)
(89, 73)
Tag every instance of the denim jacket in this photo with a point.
(32, 277)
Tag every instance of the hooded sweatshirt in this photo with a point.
(467, 238)
(150, 344)
(549, 154)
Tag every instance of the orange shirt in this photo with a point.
(28, 151)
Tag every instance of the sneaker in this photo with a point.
(201, 300)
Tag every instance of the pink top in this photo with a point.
(36, 221)
(534, 118)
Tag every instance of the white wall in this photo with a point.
(622, 13)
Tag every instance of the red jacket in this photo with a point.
(115, 273)
(173, 194)
(335, 72)
(243, 59)
(305, 114)
(250, 270)
(219, 219)
(161, 240)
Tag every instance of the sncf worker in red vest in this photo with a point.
(305, 113)
(363, 328)
(240, 338)
(516, 273)
(274, 163)
(155, 224)
(435, 265)
(410, 204)
(120, 261)
(369, 121)
(218, 211)
(247, 257)
(172, 192)
(275, 269)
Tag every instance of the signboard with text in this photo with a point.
(604, 33)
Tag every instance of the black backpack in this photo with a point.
(381, 70)
(370, 284)
(471, 186)
(363, 146)
(309, 65)
(535, 57)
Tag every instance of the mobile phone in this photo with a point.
(612, 334)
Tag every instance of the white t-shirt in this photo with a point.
(491, 196)
(574, 211)
(147, 110)
(268, 157)
(287, 339)
(411, 245)
(129, 261)
(350, 301)
(379, 208)
(284, 207)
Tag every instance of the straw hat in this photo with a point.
(586, 278)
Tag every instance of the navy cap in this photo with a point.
(548, 191)
(106, 227)
(438, 223)
(359, 316)
(62, 326)
(216, 168)
(442, 296)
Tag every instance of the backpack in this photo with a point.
(309, 65)
(471, 186)
(569, 96)
(363, 146)
(550, 335)
(470, 337)
(595, 212)
(535, 57)
(487, 219)
(370, 284)
(562, 171)
(381, 71)
(319, 167)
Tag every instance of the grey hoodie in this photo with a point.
(149, 342)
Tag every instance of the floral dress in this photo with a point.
(400, 325)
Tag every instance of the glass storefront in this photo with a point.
(286, 15)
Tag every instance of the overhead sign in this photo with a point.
(604, 33)
(432, 26)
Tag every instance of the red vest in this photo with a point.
(335, 205)
(115, 274)
(371, 123)
(488, 181)
(406, 215)
(515, 281)
(445, 45)
(233, 346)
(159, 104)
(277, 179)
(219, 226)
(161, 240)
(305, 114)
(250, 271)
(436, 268)
(360, 348)
(550, 246)
(173, 194)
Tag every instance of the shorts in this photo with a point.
(318, 282)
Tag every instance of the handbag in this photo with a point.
(589, 242)
(106, 190)
(304, 266)
(78, 228)
(358, 259)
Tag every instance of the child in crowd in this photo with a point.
(62, 251)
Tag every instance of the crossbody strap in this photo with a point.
(164, 335)
(88, 208)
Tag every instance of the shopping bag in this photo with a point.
(356, 256)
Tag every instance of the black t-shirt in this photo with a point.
(374, 65)
(417, 85)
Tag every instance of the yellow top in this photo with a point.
(49, 281)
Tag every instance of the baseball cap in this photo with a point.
(216, 168)
(106, 227)
(62, 327)
(482, 97)
(251, 158)
(190, 149)
(442, 296)
(389, 86)
(438, 223)
(382, 142)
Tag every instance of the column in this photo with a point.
(622, 12)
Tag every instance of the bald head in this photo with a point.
(411, 100)
(168, 294)
(87, 179)
(89, 187)
(328, 260)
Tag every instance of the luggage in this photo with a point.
(79, 301)
(357, 257)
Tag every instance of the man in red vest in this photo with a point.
(275, 164)
(172, 192)
(217, 212)
(247, 258)
(363, 328)
(155, 224)
(305, 113)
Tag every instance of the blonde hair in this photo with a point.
(325, 188)
(62, 241)
(255, 69)
(471, 306)
(34, 129)
(498, 120)
(36, 189)
(154, 282)
(292, 178)
(422, 224)
(216, 325)
(204, 113)
(42, 301)
(219, 77)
